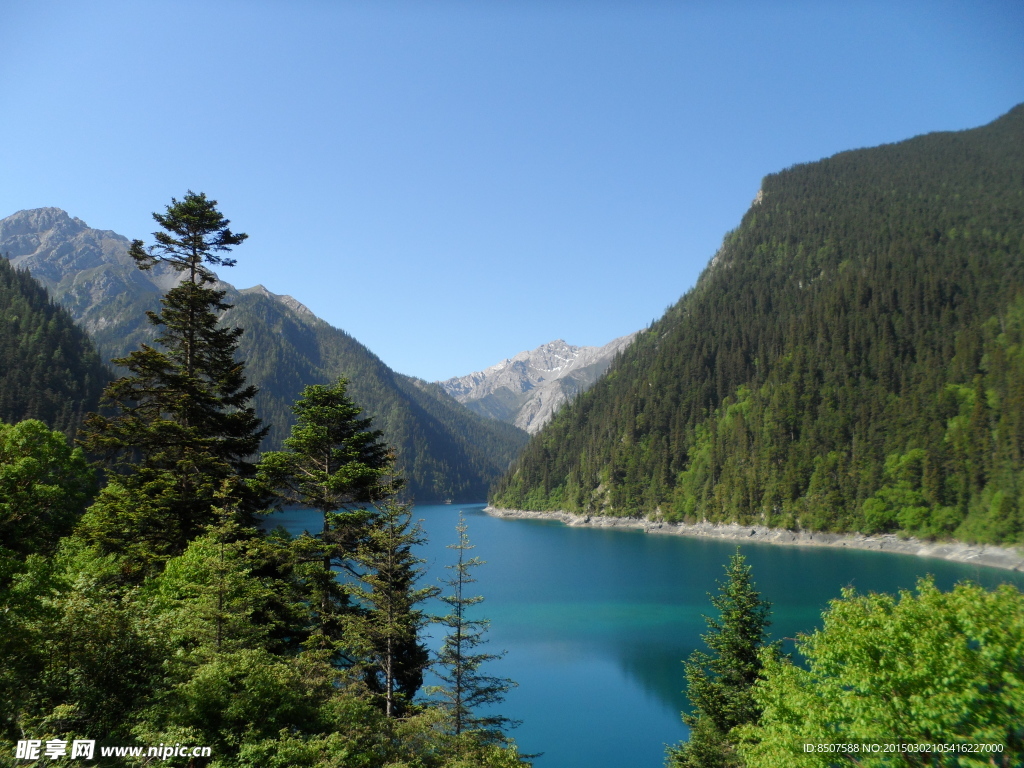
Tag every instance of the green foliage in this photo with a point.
(194, 233)
(167, 617)
(929, 667)
(720, 684)
(182, 423)
(333, 459)
(211, 599)
(334, 462)
(869, 305)
(49, 369)
(459, 662)
(443, 450)
(45, 486)
(94, 652)
(384, 630)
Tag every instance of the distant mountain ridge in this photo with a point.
(526, 390)
(444, 450)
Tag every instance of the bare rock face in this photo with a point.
(90, 273)
(527, 389)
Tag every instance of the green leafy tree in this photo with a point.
(182, 421)
(466, 687)
(211, 597)
(102, 652)
(384, 633)
(719, 684)
(930, 667)
(44, 487)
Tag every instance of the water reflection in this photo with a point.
(597, 622)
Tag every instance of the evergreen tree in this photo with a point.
(719, 684)
(334, 460)
(334, 463)
(182, 422)
(466, 687)
(385, 631)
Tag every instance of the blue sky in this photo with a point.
(453, 182)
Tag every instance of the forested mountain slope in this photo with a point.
(445, 450)
(851, 359)
(49, 369)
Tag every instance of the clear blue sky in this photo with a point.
(453, 182)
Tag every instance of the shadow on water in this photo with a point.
(596, 622)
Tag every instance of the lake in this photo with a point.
(596, 622)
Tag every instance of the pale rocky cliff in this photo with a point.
(90, 273)
(527, 390)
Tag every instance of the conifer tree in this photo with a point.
(336, 464)
(384, 632)
(466, 688)
(719, 684)
(182, 420)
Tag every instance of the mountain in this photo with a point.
(49, 369)
(444, 450)
(527, 389)
(89, 272)
(851, 359)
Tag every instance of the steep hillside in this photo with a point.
(49, 369)
(852, 359)
(527, 389)
(88, 272)
(446, 451)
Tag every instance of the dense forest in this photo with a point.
(49, 369)
(444, 450)
(149, 607)
(851, 359)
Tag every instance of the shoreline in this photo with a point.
(990, 555)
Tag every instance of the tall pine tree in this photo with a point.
(719, 684)
(334, 463)
(182, 422)
(466, 688)
(385, 629)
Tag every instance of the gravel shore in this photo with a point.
(1010, 558)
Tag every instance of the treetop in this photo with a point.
(195, 233)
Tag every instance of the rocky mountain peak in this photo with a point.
(293, 304)
(33, 221)
(527, 389)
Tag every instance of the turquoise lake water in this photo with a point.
(597, 622)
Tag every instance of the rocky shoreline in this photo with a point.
(1009, 558)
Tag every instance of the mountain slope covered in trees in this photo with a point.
(49, 369)
(445, 450)
(851, 359)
